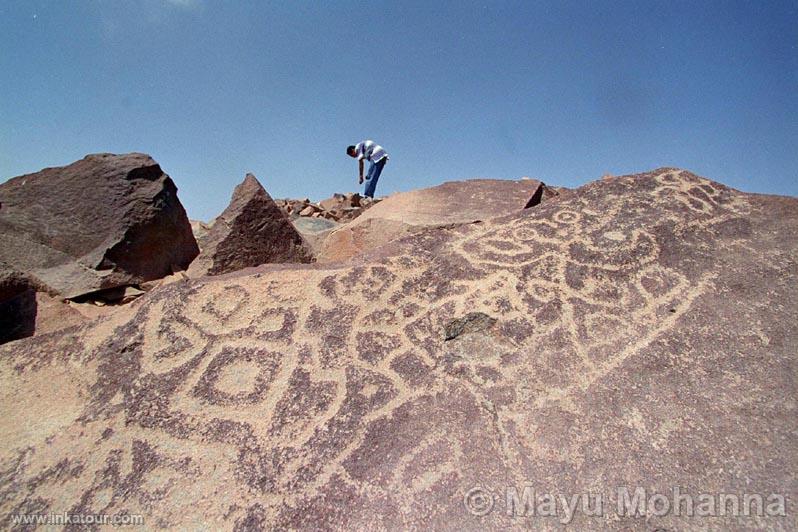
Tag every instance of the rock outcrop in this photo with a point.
(638, 333)
(101, 222)
(251, 231)
(452, 203)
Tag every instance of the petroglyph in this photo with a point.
(280, 395)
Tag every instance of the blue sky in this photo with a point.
(563, 91)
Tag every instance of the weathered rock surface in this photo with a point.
(314, 230)
(104, 221)
(24, 311)
(454, 202)
(55, 314)
(251, 231)
(644, 337)
(470, 323)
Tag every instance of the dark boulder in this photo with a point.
(251, 231)
(101, 222)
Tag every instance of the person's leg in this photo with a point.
(373, 176)
(369, 174)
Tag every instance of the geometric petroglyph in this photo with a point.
(273, 391)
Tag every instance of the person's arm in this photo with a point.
(360, 170)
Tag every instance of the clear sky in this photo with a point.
(560, 90)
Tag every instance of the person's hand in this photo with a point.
(360, 181)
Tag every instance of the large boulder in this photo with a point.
(101, 222)
(251, 231)
(452, 203)
(637, 334)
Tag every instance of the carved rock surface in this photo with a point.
(644, 337)
(451, 203)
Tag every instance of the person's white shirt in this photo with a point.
(370, 150)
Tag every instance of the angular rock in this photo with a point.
(644, 338)
(25, 312)
(340, 207)
(294, 206)
(104, 221)
(54, 314)
(251, 231)
(452, 203)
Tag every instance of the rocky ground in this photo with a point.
(339, 207)
(635, 333)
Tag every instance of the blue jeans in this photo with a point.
(373, 175)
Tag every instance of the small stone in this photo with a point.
(131, 293)
(353, 198)
(470, 323)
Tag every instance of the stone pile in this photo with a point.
(339, 208)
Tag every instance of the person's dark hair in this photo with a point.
(350, 150)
